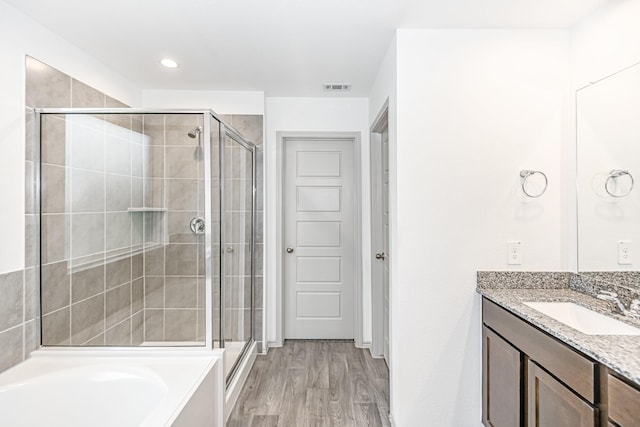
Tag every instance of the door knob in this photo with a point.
(289, 250)
(380, 256)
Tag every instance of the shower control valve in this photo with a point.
(197, 225)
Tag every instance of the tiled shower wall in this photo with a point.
(85, 300)
(174, 272)
(19, 322)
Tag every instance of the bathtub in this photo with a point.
(114, 389)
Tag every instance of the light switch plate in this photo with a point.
(514, 252)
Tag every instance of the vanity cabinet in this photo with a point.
(624, 403)
(501, 362)
(550, 403)
(532, 379)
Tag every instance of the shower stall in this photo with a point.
(147, 230)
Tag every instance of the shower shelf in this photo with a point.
(146, 210)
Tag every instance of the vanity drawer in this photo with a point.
(568, 366)
(624, 403)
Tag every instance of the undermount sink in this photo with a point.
(584, 320)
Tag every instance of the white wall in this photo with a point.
(605, 42)
(384, 89)
(20, 36)
(222, 102)
(313, 115)
(474, 107)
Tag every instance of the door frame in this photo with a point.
(377, 300)
(281, 140)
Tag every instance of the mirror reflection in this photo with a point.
(608, 165)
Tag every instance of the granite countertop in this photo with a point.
(621, 353)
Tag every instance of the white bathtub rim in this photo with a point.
(43, 363)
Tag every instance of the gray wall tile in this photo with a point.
(153, 325)
(154, 292)
(180, 325)
(118, 305)
(137, 295)
(83, 96)
(46, 86)
(87, 319)
(56, 327)
(53, 189)
(182, 194)
(181, 260)
(181, 292)
(118, 272)
(137, 328)
(52, 144)
(87, 283)
(54, 237)
(120, 334)
(55, 287)
(12, 347)
(11, 302)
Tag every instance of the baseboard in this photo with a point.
(234, 389)
(391, 421)
(364, 345)
(274, 344)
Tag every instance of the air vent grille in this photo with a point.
(336, 87)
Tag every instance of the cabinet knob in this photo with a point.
(381, 256)
(289, 250)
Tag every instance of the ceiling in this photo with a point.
(281, 47)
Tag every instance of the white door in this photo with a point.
(380, 237)
(385, 241)
(319, 221)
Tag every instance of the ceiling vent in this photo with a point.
(336, 87)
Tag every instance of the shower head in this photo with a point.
(195, 132)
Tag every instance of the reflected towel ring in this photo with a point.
(525, 174)
(613, 175)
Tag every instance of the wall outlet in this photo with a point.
(624, 252)
(514, 253)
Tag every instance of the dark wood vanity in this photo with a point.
(530, 378)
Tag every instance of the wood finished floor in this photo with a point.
(314, 384)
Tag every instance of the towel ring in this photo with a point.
(525, 174)
(615, 174)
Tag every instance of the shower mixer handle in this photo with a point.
(197, 225)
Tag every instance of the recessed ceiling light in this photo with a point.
(169, 63)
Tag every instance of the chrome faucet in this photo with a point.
(614, 301)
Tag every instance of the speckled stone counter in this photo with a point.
(618, 352)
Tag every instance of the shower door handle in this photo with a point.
(289, 250)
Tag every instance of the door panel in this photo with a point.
(551, 404)
(319, 209)
(501, 381)
(385, 241)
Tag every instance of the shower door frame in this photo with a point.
(237, 138)
(208, 212)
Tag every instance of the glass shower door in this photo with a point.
(237, 247)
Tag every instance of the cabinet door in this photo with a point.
(624, 403)
(551, 404)
(501, 382)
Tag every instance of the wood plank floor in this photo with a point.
(314, 384)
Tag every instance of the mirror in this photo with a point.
(608, 178)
